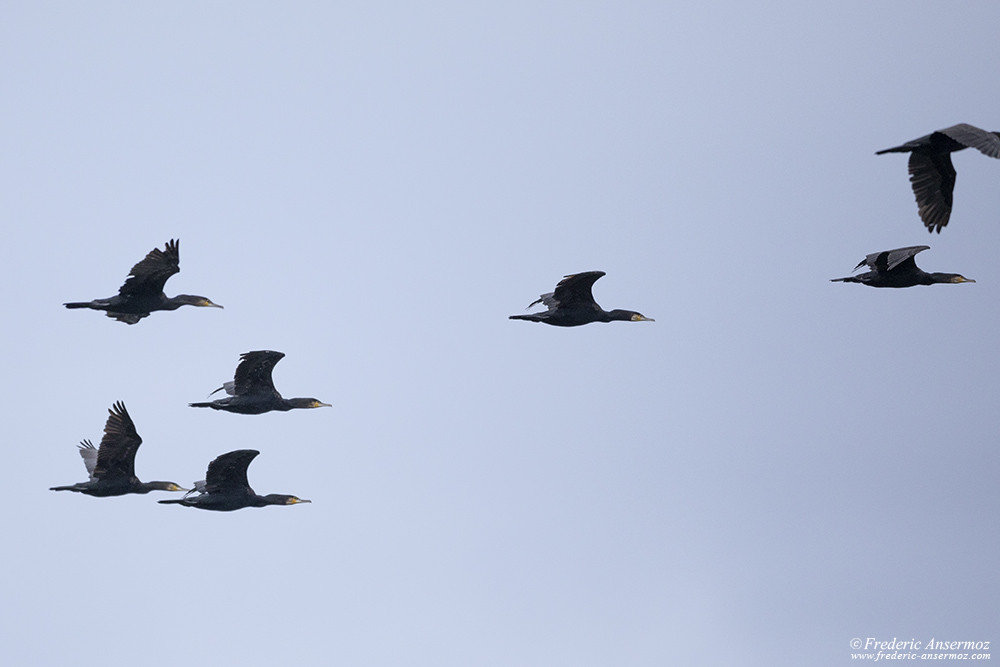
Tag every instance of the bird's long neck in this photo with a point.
(931, 278)
(175, 302)
(159, 486)
(616, 314)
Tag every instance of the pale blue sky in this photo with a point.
(775, 466)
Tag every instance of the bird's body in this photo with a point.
(897, 268)
(226, 487)
(932, 174)
(142, 292)
(112, 466)
(572, 304)
(252, 390)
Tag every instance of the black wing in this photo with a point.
(116, 454)
(932, 174)
(253, 375)
(577, 288)
(987, 143)
(150, 275)
(887, 260)
(228, 472)
(932, 178)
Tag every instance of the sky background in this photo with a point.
(775, 466)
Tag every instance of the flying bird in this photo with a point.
(252, 391)
(931, 172)
(572, 304)
(896, 268)
(225, 487)
(112, 465)
(142, 292)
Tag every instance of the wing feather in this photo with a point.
(89, 454)
(253, 374)
(228, 472)
(987, 143)
(887, 260)
(932, 177)
(150, 275)
(116, 454)
(577, 288)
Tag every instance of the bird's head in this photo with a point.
(194, 300)
(308, 403)
(166, 486)
(627, 316)
(282, 499)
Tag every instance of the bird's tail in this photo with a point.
(173, 501)
(848, 279)
(201, 405)
(78, 304)
(60, 488)
(530, 318)
(895, 149)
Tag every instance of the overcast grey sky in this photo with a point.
(775, 466)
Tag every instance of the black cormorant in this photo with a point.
(931, 171)
(572, 304)
(226, 488)
(896, 268)
(252, 391)
(142, 292)
(112, 466)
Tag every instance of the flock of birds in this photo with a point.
(111, 466)
(932, 177)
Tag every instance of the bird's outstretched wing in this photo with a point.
(116, 455)
(932, 178)
(228, 472)
(987, 143)
(887, 260)
(253, 374)
(574, 289)
(577, 288)
(150, 275)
